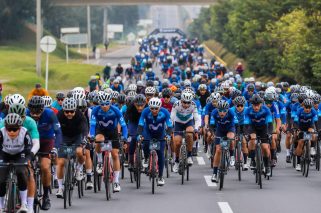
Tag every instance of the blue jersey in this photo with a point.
(247, 96)
(208, 109)
(155, 126)
(49, 126)
(240, 116)
(283, 111)
(223, 123)
(56, 105)
(260, 118)
(274, 110)
(107, 121)
(305, 120)
(118, 89)
(294, 109)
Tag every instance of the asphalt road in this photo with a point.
(286, 191)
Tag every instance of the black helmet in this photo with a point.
(70, 94)
(121, 98)
(261, 94)
(256, 99)
(37, 103)
(129, 100)
(149, 83)
(235, 93)
(60, 95)
(167, 92)
(140, 99)
(165, 85)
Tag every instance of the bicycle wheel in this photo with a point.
(71, 181)
(222, 170)
(182, 163)
(79, 188)
(153, 169)
(317, 156)
(166, 161)
(107, 177)
(138, 163)
(122, 160)
(259, 166)
(38, 195)
(11, 197)
(307, 159)
(239, 159)
(66, 183)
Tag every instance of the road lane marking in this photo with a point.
(208, 181)
(200, 160)
(225, 207)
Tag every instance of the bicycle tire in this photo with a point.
(308, 159)
(95, 172)
(259, 166)
(153, 170)
(122, 161)
(71, 181)
(79, 188)
(138, 163)
(239, 161)
(222, 170)
(107, 177)
(38, 194)
(66, 184)
(11, 197)
(317, 156)
(182, 163)
(166, 161)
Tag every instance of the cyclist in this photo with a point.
(103, 125)
(38, 91)
(48, 103)
(15, 145)
(166, 99)
(156, 121)
(57, 104)
(50, 135)
(257, 118)
(202, 94)
(184, 114)
(224, 119)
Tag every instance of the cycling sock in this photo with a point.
(273, 154)
(245, 158)
(287, 152)
(79, 166)
(89, 173)
(46, 190)
(23, 196)
(30, 201)
(176, 160)
(116, 176)
(100, 157)
(1, 202)
(266, 161)
(252, 154)
(215, 170)
(189, 154)
(60, 183)
(298, 159)
(231, 152)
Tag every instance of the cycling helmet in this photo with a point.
(308, 102)
(261, 94)
(215, 96)
(250, 87)
(78, 90)
(16, 99)
(69, 104)
(239, 100)
(70, 94)
(165, 85)
(156, 83)
(278, 85)
(6, 99)
(202, 87)
(186, 96)
(78, 95)
(121, 98)
(303, 89)
(129, 100)
(36, 102)
(60, 95)
(114, 95)
(271, 89)
(140, 84)
(256, 99)
(187, 83)
(269, 96)
(222, 104)
(131, 93)
(219, 89)
(155, 102)
(104, 97)
(302, 97)
(309, 93)
(225, 85)
(13, 119)
(19, 109)
(48, 101)
(213, 81)
(167, 92)
(108, 90)
(91, 96)
(149, 83)
(234, 93)
(132, 87)
(316, 99)
(104, 86)
(81, 104)
(294, 97)
(150, 90)
(140, 99)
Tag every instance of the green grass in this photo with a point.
(18, 72)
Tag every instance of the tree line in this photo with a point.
(276, 38)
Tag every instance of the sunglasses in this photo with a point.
(167, 96)
(186, 102)
(307, 107)
(12, 129)
(154, 108)
(250, 90)
(69, 111)
(240, 106)
(149, 95)
(60, 99)
(105, 104)
(36, 112)
(222, 110)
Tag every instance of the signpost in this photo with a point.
(74, 39)
(48, 44)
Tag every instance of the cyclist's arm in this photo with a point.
(169, 123)
(57, 129)
(122, 123)
(92, 123)
(141, 122)
(197, 118)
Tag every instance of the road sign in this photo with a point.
(116, 28)
(73, 39)
(48, 44)
(69, 30)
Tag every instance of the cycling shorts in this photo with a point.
(110, 135)
(46, 145)
(220, 132)
(260, 131)
(179, 127)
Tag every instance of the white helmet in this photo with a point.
(16, 99)
(6, 99)
(309, 93)
(150, 90)
(78, 90)
(114, 94)
(225, 85)
(202, 87)
(69, 104)
(270, 89)
(231, 74)
(155, 102)
(108, 90)
(270, 84)
(132, 87)
(186, 96)
(131, 93)
(187, 83)
(48, 101)
(78, 95)
(215, 96)
(103, 97)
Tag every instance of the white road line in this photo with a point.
(208, 181)
(225, 208)
(200, 160)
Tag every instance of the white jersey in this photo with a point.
(182, 115)
(17, 145)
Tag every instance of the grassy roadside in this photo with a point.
(17, 68)
(232, 60)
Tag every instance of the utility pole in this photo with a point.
(38, 37)
(88, 26)
(105, 26)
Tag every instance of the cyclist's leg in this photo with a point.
(132, 147)
(60, 172)
(88, 164)
(100, 138)
(22, 180)
(45, 165)
(189, 139)
(251, 146)
(31, 187)
(161, 158)
(3, 183)
(177, 139)
(266, 146)
(115, 154)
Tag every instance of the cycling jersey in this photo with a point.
(167, 106)
(260, 118)
(107, 121)
(305, 120)
(75, 126)
(240, 116)
(22, 143)
(56, 105)
(226, 123)
(182, 115)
